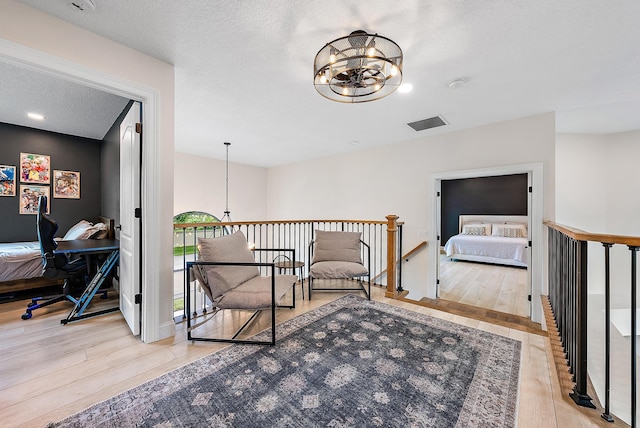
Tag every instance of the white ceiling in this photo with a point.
(244, 69)
(69, 108)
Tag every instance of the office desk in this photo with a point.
(87, 248)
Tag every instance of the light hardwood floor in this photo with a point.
(50, 371)
(500, 288)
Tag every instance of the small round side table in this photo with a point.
(288, 264)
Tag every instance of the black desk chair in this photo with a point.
(55, 265)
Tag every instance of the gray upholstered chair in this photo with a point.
(339, 255)
(231, 279)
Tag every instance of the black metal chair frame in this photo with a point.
(54, 266)
(366, 291)
(274, 306)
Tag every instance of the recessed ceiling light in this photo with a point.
(354, 142)
(35, 116)
(405, 87)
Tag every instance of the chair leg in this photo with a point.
(48, 300)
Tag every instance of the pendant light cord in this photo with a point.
(227, 213)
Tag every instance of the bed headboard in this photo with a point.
(466, 218)
(110, 226)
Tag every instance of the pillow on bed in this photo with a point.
(84, 230)
(510, 230)
(479, 229)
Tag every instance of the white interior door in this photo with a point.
(130, 155)
(438, 191)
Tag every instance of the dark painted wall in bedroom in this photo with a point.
(111, 169)
(499, 195)
(67, 153)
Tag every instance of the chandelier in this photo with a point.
(358, 68)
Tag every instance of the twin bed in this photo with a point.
(491, 239)
(21, 263)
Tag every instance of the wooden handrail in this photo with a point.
(415, 250)
(245, 223)
(406, 256)
(581, 235)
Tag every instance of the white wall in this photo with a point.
(581, 188)
(394, 179)
(199, 185)
(597, 191)
(581, 192)
(623, 183)
(598, 181)
(31, 38)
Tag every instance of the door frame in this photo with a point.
(535, 212)
(153, 326)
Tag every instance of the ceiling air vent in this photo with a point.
(432, 122)
(82, 5)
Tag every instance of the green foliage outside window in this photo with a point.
(190, 217)
(195, 217)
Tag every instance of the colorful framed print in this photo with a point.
(7, 180)
(34, 168)
(66, 184)
(29, 195)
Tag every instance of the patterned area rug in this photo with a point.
(350, 363)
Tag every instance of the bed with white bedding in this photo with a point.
(21, 261)
(491, 239)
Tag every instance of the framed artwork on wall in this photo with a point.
(66, 184)
(34, 168)
(29, 195)
(7, 180)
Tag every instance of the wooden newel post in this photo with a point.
(392, 239)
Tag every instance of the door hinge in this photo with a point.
(529, 244)
(137, 213)
(138, 299)
(437, 282)
(438, 238)
(138, 128)
(530, 189)
(529, 297)
(438, 194)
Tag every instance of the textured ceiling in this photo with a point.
(69, 108)
(244, 68)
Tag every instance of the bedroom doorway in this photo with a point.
(482, 262)
(110, 200)
(494, 283)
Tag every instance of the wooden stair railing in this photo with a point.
(297, 234)
(568, 295)
(405, 257)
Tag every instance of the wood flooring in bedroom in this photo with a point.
(494, 287)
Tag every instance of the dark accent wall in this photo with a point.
(67, 153)
(111, 169)
(496, 195)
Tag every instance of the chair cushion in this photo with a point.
(228, 248)
(337, 246)
(337, 270)
(256, 293)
